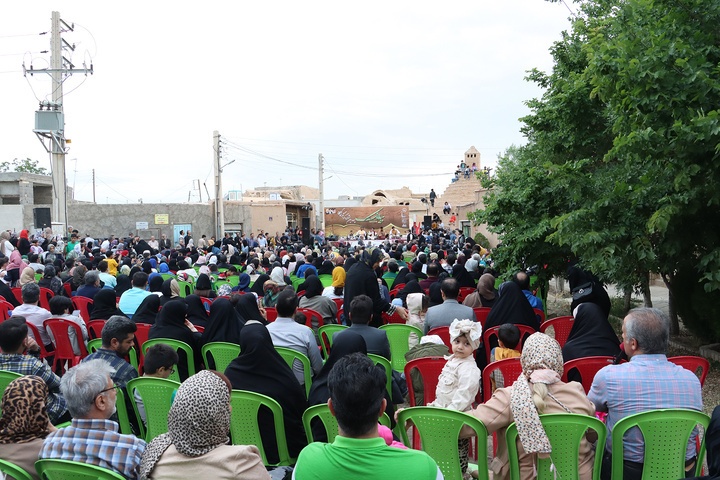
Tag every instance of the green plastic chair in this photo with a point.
(244, 429)
(186, 288)
(221, 353)
(439, 430)
(122, 413)
(385, 363)
(167, 276)
(5, 378)
(565, 431)
(325, 334)
(325, 280)
(178, 346)
(398, 336)
(14, 471)
(290, 356)
(233, 280)
(322, 411)
(96, 343)
(66, 470)
(157, 395)
(296, 282)
(665, 433)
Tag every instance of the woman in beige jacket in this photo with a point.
(537, 390)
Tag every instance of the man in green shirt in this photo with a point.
(357, 400)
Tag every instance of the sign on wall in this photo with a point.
(162, 219)
(342, 220)
(141, 225)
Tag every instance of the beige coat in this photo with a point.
(24, 455)
(497, 416)
(225, 461)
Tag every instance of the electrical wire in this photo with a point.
(23, 35)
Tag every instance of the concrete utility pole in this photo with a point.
(321, 224)
(219, 213)
(94, 186)
(50, 123)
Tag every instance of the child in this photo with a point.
(417, 304)
(62, 307)
(508, 340)
(459, 380)
(160, 361)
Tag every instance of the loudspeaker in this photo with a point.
(42, 217)
(427, 222)
(306, 231)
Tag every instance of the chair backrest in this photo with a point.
(392, 319)
(94, 344)
(339, 302)
(464, 292)
(313, 318)
(540, 314)
(510, 369)
(244, 428)
(36, 335)
(481, 314)
(157, 395)
(439, 430)
(167, 276)
(14, 471)
(131, 357)
(221, 353)
(430, 369)
(665, 434)
(693, 363)
(561, 327)
(59, 328)
(83, 304)
(443, 333)
(67, 470)
(291, 356)
(95, 328)
(565, 432)
(328, 420)
(325, 334)
(142, 335)
(186, 288)
(271, 313)
(45, 295)
(587, 367)
(207, 303)
(17, 291)
(326, 280)
(178, 346)
(490, 333)
(122, 413)
(398, 336)
(339, 316)
(385, 363)
(5, 309)
(5, 378)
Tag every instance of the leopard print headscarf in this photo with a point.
(24, 417)
(198, 422)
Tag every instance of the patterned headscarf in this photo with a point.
(23, 411)
(542, 362)
(198, 422)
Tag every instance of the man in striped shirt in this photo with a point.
(91, 437)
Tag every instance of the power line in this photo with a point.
(23, 35)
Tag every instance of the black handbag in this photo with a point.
(582, 292)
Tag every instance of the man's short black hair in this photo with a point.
(433, 270)
(286, 303)
(393, 267)
(450, 288)
(361, 309)
(139, 279)
(159, 355)
(59, 303)
(12, 333)
(117, 327)
(509, 335)
(357, 388)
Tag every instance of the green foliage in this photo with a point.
(481, 240)
(26, 165)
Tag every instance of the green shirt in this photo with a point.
(359, 459)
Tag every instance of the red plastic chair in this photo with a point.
(444, 333)
(339, 302)
(510, 369)
(561, 326)
(17, 291)
(311, 314)
(45, 295)
(587, 367)
(63, 346)
(142, 335)
(95, 328)
(540, 314)
(481, 314)
(394, 318)
(339, 315)
(429, 368)
(490, 333)
(5, 309)
(464, 292)
(693, 363)
(207, 303)
(82, 304)
(36, 335)
(271, 314)
(68, 288)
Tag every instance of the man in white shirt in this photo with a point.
(285, 332)
(33, 313)
(153, 243)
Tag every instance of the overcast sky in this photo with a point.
(395, 91)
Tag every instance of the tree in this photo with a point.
(26, 165)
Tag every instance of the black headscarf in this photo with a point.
(123, 284)
(349, 263)
(248, 309)
(196, 312)
(410, 287)
(591, 334)
(580, 278)
(155, 284)
(104, 305)
(326, 268)
(258, 285)
(170, 323)
(224, 324)
(148, 310)
(203, 282)
(260, 368)
(8, 294)
(167, 291)
(417, 270)
(463, 277)
(313, 286)
(401, 276)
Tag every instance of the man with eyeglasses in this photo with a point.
(91, 437)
